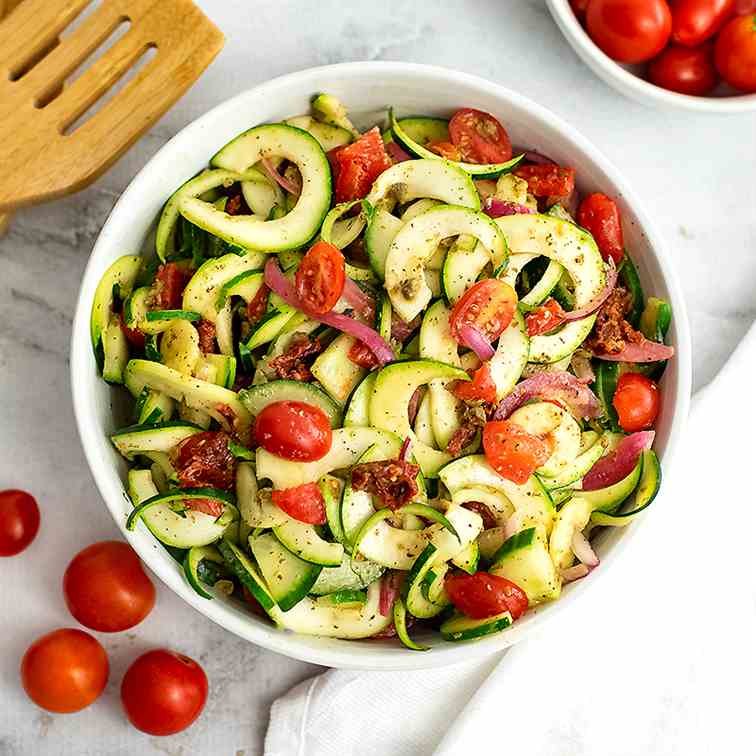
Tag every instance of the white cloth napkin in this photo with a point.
(659, 660)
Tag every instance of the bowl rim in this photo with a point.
(634, 86)
(110, 484)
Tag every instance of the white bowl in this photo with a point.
(367, 89)
(624, 79)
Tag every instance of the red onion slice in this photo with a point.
(619, 463)
(574, 573)
(598, 300)
(582, 549)
(276, 280)
(559, 385)
(472, 338)
(397, 154)
(531, 156)
(357, 298)
(390, 585)
(282, 181)
(645, 351)
(497, 208)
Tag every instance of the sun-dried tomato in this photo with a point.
(295, 362)
(204, 459)
(258, 304)
(393, 481)
(170, 281)
(361, 354)
(206, 331)
(489, 521)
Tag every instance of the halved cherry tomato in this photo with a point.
(547, 180)
(637, 402)
(600, 215)
(106, 588)
(171, 280)
(133, 335)
(484, 595)
(694, 21)
(19, 521)
(319, 280)
(735, 53)
(304, 503)
(64, 671)
(481, 387)
(362, 355)
(479, 137)
(545, 318)
(513, 452)
(688, 70)
(630, 31)
(163, 692)
(446, 149)
(294, 430)
(357, 165)
(488, 305)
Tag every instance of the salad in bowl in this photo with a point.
(386, 380)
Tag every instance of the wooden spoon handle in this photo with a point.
(6, 6)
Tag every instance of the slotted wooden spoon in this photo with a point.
(40, 160)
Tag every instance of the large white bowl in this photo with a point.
(626, 80)
(367, 89)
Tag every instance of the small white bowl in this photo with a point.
(367, 89)
(624, 79)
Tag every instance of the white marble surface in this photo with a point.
(697, 176)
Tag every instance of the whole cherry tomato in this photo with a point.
(304, 503)
(735, 53)
(19, 521)
(637, 402)
(688, 70)
(484, 595)
(163, 692)
(106, 588)
(629, 31)
(320, 277)
(488, 306)
(600, 215)
(513, 452)
(294, 430)
(694, 21)
(64, 671)
(479, 137)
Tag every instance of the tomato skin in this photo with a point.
(545, 318)
(447, 150)
(106, 588)
(637, 402)
(294, 430)
(513, 452)
(547, 180)
(688, 70)
(171, 280)
(629, 31)
(481, 387)
(479, 137)
(64, 671)
(133, 335)
(735, 53)
(304, 503)
(579, 8)
(488, 305)
(19, 521)
(163, 692)
(484, 595)
(694, 21)
(600, 215)
(356, 166)
(320, 277)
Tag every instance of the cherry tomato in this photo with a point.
(735, 53)
(357, 165)
(513, 452)
(19, 521)
(599, 215)
(484, 595)
(630, 31)
(479, 137)
(694, 21)
(133, 335)
(64, 671)
(579, 8)
(446, 149)
(170, 281)
(304, 503)
(294, 430)
(106, 588)
(488, 306)
(688, 70)
(547, 180)
(320, 277)
(362, 355)
(637, 401)
(163, 692)
(545, 318)
(481, 387)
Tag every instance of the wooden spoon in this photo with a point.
(41, 156)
